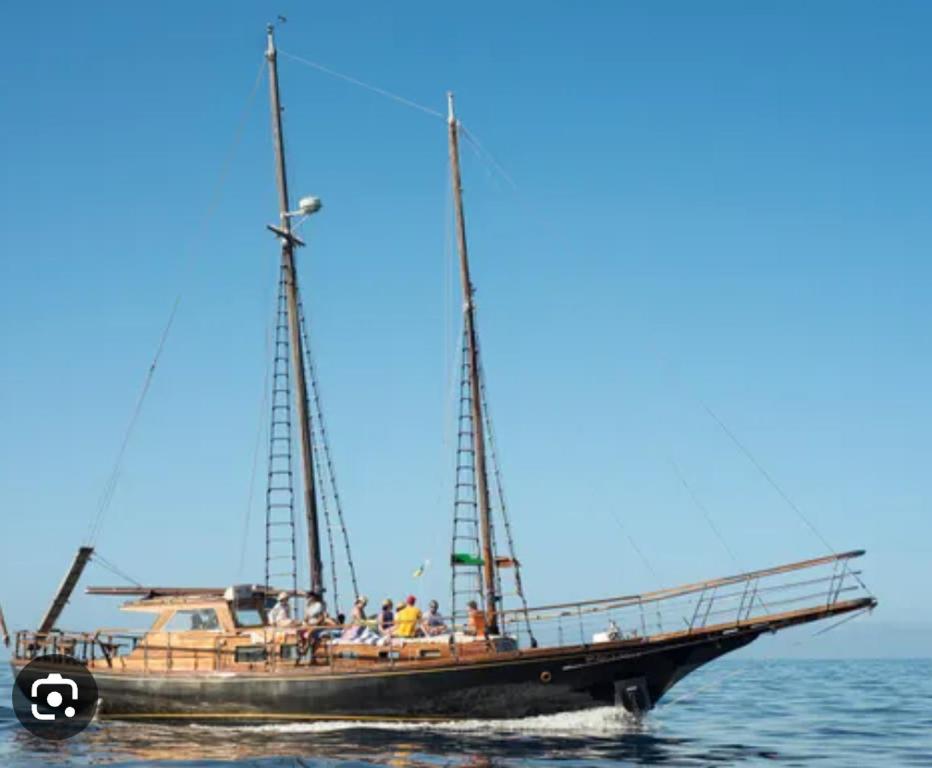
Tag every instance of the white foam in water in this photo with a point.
(592, 722)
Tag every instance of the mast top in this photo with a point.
(451, 118)
(270, 33)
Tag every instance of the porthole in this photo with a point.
(545, 676)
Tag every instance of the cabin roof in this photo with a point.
(185, 602)
(156, 599)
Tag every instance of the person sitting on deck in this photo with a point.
(433, 623)
(316, 619)
(408, 619)
(476, 623)
(315, 614)
(358, 623)
(280, 615)
(386, 617)
(358, 617)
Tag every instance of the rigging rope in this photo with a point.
(845, 620)
(471, 138)
(634, 545)
(263, 409)
(325, 443)
(705, 512)
(500, 494)
(773, 484)
(374, 88)
(110, 487)
(325, 507)
(106, 498)
(708, 517)
(486, 156)
(766, 475)
(104, 563)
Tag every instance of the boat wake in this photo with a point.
(602, 721)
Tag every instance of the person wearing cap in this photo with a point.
(387, 617)
(280, 615)
(408, 619)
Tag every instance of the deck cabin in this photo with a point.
(211, 630)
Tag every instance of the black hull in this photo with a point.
(516, 687)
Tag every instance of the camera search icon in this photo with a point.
(55, 697)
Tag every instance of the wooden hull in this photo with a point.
(540, 683)
(632, 673)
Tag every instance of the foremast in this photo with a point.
(489, 580)
(289, 241)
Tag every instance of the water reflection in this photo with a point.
(608, 739)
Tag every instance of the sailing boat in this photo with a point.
(211, 654)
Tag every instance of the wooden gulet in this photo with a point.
(212, 655)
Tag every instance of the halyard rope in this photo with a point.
(773, 484)
(106, 498)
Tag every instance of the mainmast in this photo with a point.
(289, 241)
(478, 423)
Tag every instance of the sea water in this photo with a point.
(734, 712)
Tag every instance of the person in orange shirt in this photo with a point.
(408, 619)
(476, 623)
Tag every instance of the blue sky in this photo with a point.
(719, 203)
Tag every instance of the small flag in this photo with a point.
(464, 558)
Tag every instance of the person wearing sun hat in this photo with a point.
(358, 616)
(280, 615)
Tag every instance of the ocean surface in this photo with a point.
(735, 712)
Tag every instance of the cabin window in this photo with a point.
(203, 619)
(248, 617)
(250, 653)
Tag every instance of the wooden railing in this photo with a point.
(746, 597)
(755, 597)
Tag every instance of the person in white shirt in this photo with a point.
(315, 619)
(316, 612)
(280, 615)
